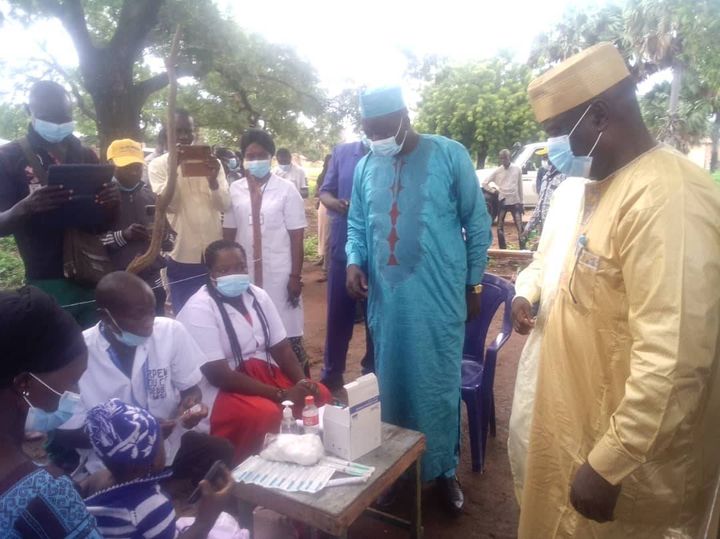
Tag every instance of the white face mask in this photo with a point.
(389, 147)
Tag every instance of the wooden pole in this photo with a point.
(511, 254)
(144, 261)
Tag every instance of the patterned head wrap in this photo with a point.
(122, 434)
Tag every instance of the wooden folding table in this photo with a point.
(334, 509)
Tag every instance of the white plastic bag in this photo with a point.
(226, 527)
(305, 449)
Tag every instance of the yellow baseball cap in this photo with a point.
(124, 152)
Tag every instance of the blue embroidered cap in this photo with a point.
(122, 434)
(380, 101)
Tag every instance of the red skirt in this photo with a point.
(244, 420)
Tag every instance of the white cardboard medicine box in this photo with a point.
(352, 431)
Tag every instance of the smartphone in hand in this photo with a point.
(193, 161)
(213, 476)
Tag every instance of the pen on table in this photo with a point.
(342, 462)
(348, 470)
(346, 481)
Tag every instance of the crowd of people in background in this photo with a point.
(614, 429)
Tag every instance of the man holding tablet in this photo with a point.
(26, 199)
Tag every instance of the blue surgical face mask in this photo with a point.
(51, 132)
(232, 286)
(561, 155)
(126, 337)
(285, 168)
(388, 147)
(258, 169)
(232, 163)
(38, 420)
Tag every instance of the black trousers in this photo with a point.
(341, 316)
(517, 214)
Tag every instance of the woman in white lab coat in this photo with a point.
(267, 217)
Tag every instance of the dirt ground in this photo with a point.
(490, 508)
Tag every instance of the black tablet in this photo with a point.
(85, 181)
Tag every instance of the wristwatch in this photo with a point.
(474, 288)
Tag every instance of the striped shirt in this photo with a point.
(134, 510)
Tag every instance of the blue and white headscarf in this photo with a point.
(122, 434)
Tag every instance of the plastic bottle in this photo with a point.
(311, 416)
(288, 425)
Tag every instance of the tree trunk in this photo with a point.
(715, 140)
(672, 133)
(675, 86)
(107, 71)
(108, 78)
(482, 153)
(117, 117)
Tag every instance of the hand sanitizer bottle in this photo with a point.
(288, 425)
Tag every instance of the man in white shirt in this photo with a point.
(194, 213)
(508, 182)
(149, 362)
(290, 171)
(160, 149)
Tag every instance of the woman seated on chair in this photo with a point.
(251, 367)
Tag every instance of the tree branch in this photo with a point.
(135, 22)
(72, 16)
(145, 88)
(51, 6)
(288, 85)
(149, 86)
(242, 97)
(53, 64)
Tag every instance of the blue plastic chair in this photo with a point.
(478, 364)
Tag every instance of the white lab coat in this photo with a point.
(282, 210)
(202, 319)
(539, 282)
(168, 363)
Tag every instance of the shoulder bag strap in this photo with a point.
(33, 161)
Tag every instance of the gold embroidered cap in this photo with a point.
(576, 80)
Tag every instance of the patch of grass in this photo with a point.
(312, 186)
(311, 247)
(716, 176)
(12, 271)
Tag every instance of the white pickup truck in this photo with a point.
(528, 160)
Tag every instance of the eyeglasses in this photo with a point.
(581, 246)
